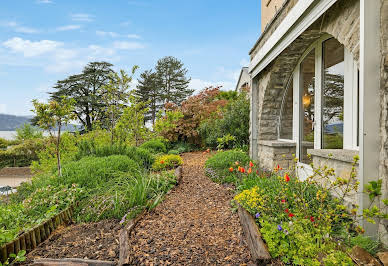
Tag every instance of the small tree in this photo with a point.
(131, 124)
(27, 131)
(51, 117)
(115, 97)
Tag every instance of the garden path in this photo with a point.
(194, 225)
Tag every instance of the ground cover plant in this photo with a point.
(168, 161)
(218, 166)
(301, 221)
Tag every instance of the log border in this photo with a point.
(29, 240)
(259, 250)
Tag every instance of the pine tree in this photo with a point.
(147, 90)
(172, 80)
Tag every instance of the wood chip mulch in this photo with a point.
(95, 241)
(193, 226)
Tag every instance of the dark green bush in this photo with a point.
(182, 147)
(217, 166)
(173, 152)
(154, 146)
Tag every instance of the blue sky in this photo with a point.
(42, 41)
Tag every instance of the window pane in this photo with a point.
(287, 113)
(307, 99)
(333, 95)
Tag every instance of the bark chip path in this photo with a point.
(194, 225)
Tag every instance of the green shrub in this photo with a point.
(93, 172)
(154, 146)
(22, 154)
(173, 152)
(217, 166)
(183, 147)
(167, 162)
(27, 131)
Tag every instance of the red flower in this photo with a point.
(249, 170)
(231, 169)
(283, 201)
(286, 177)
(277, 168)
(291, 215)
(162, 162)
(250, 164)
(242, 170)
(312, 219)
(287, 210)
(257, 172)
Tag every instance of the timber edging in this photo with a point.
(33, 237)
(259, 250)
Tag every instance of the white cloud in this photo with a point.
(31, 48)
(44, 1)
(19, 28)
(83, 17)
(68, 27)
(3, 108)
(122, 45)
(97, 50)
(116, 35)
(199, 84)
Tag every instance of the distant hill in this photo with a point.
(11, 122)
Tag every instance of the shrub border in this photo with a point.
(29, 240)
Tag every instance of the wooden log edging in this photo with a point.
(124, 234)
(259, 250)
(32, 238)
(72, 262)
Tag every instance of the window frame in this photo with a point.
(351, 101)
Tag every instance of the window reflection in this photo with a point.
(333, 95)
(307, 71)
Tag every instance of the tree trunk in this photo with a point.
(58, 152)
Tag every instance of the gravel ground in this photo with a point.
(193, 226)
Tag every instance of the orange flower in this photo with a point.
(231, 169)
(277, 168)
(286, 177)
(242, 170)
(250, 164)
(208, 150)
(236, 163)
(249, 170)
(239, 169)
(162, 162)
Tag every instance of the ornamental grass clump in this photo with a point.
(305, 222)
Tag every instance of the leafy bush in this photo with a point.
(217, 166)
(22, 154)
(167, 162)
(233, 121)
(27, 131)
(182, 147)
(154, 146)
(173, 152)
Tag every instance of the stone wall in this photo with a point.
(268, 10)
(384, 108)
(273, 153)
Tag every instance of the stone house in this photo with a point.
(319, 89)
(243, 80)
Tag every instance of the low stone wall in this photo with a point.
(273, 153)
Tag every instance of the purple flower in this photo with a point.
(285, 231)
(280, 227)
(257, 215)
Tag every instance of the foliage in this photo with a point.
(195, 109)
(217, 166)
(182, 147)
(126, 192)
(131, 127)
(155, 146)
(167, 121)
(168, 161)
(23, 154)
(174, 152)
(52, 116)
(115, 97)
(300, 220)
(233, 120)
(226, 142)
(15, 258)
(171, 80)
(366, 243)
(28, 132)
(85, 90)
(148, 92)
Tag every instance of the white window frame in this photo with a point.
(351, 112)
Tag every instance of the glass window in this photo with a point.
(307, 78)
(333, 95)
(287, 113)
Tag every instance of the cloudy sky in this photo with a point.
(42, 41)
